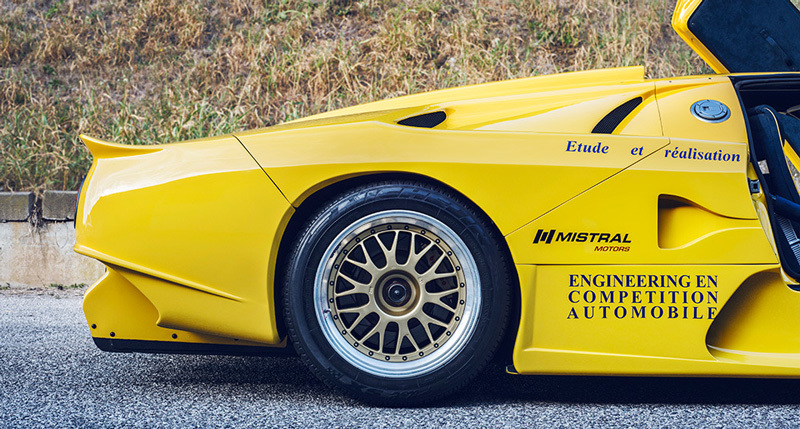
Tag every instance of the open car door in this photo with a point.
(739, 36)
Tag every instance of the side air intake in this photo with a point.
(426, 120)
(611, 121)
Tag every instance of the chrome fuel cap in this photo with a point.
(710, 111)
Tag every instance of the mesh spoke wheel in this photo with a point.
(399, 294)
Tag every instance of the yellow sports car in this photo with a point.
(581, 223)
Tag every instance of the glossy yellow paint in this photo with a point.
(193, 227)
(190, 232)
(493, 168)
(509, 88)
(116, 308)
(758, 325)
(676, 96)
(638, 320)
(668, 208)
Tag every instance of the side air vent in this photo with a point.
(427, 120)
(610, 122)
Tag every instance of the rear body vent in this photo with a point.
(427, 120)
(611, 121)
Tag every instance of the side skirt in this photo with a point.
(169, 347)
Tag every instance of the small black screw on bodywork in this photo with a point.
(94, 326)
(113, 334)
(174, 336)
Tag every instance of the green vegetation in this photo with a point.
(72, 286)
(159, 71)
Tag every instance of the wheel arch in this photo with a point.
(321, 193)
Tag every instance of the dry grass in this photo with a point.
(164, 70)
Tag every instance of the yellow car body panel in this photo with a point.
(676, 95)
(117, 308)
(502, 91)
(608, 329)
(645, 248)
(493, 179)
(168, 220)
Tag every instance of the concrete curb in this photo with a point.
(16, 206)
(59, 205)
(56, 206)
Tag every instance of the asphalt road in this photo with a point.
(51, 375)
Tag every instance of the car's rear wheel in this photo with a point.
(396, 293)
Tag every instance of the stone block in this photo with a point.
(59, 205)
(15, 206)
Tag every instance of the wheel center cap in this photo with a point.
(397, 293)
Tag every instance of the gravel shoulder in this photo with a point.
(52, 375)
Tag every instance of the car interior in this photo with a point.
(774, 128)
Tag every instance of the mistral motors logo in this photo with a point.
(614, 242)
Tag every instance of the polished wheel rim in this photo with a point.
(397, 294)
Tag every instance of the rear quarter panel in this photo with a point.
(194, 227)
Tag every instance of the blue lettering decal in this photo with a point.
(571, 148)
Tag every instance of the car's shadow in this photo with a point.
(633, 390)
(288, 375)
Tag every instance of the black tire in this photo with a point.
(401, 218)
